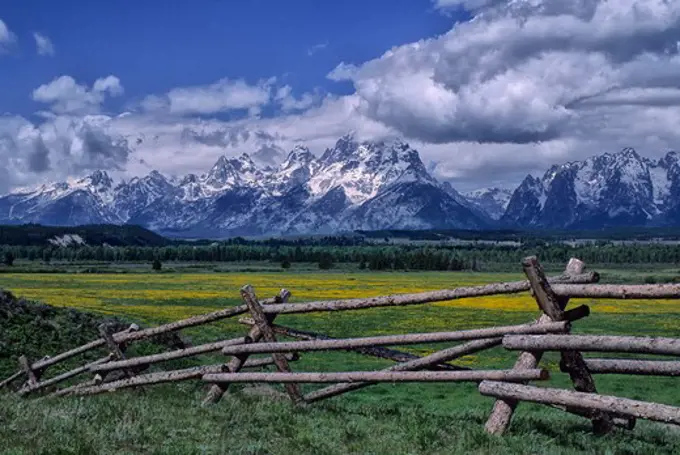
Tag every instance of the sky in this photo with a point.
(486, 90)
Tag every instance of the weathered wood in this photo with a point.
(274, 306)
(172, 355)
(31, 375)
(161, 377)
(436, 358)
(636, 367)
(218, 390)
(379, 352)
(114, 348)
(576, 313)
(422, 297)
(574, 267)
(264, 325)
(382, 376)
(65, 376)
(593, 343)
(552, 305)
(618, 291)
(604, 403)
(11, 379)
(386, 340)
(547, 301)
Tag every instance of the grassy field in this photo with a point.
(430, 418)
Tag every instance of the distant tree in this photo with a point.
(362, 265)
(9, 258)
(326, 261)
(156, 265)
(285, 264)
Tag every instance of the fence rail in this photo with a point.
(550, 332)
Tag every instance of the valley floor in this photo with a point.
(384, 419)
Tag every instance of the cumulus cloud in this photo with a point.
(515, 72)
(65, 95)
(222, 96)
(43, 44)
(7, 38)
(284, 96)
(60, 147)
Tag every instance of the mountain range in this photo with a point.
(353, 185)
(357, 186)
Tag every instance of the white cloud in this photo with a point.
(317, 48)
(7, 38)
(65, 95)
(284, 96)
(43, 44)
(222, 96)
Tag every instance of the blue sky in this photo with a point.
(155, 46)
(486, 90)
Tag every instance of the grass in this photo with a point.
(409, 418)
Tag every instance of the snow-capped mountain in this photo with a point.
(619, 189)
(353, 185)
(493, 201)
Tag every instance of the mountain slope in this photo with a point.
(610, 190)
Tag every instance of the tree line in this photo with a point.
(374, 257)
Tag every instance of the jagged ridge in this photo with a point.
(353, 185)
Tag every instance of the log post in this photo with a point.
(114, 348)
(553, 310)
(31, 375)
(263, 323)
(238, 361)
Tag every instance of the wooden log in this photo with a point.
(336, 305)
(264, 326)
(552, 305)
(114, 348)
(547, 301)
(11, 379)
(422, 297)
(604, 403)
(436, 358)
(161, 377)
(618, 291)
(172, 355)
(636, 367)
(579, 312)
(593, 343)
(218, 390)
(381, 376)
(65, 376)
(379, 352)
(386, 340)
(25, 366)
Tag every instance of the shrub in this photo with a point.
(285, 264)
(8, 259)
(326, 262)
(156, 265)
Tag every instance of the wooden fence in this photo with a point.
(550, 332)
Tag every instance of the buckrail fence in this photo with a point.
(550, 332)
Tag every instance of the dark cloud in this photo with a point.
(101, 151)
(39, 157)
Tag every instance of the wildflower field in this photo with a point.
(407, 418)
